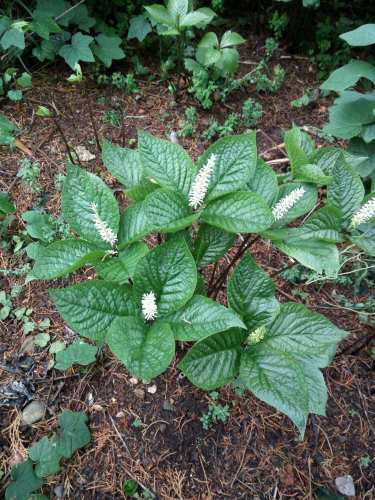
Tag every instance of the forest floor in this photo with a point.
(157, 438)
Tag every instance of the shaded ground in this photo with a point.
(255, 453)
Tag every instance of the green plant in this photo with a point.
(215, 129)
(352, 114)
(216, 413)
(113, 117)
(144, 300)
(7, 132)
(29, 174)
(190, 123)
(202, 86)
(278, 23)
(126, 83)
(252, 111)
(46, 454)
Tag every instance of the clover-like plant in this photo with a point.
(147, 296)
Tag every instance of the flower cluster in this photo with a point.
(200, 185)
(149, 307)
(257, 335)
(364, 214)
(283, 206)
(102, 227)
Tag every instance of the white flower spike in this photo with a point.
(364, 214)
(149, 307)
(283, 206)
(200, 185)
(102, 227)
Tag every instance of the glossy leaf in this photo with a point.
(211, 244)
(121, 268)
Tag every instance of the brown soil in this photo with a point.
(256, 452)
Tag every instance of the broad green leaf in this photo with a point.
(64, 257)
(46, 50)
(274, 376)
(366, 239)
(303, 205)
(78, 50)
(166, 162)
(90, 307)
(200, 318)
(24, 481)
(209, 40)
(348, 75)
(235, 162)
(349, 113)
(346, 191)
(7, 131)
(178, 8)
(77, 353)
(211, 244)
(202, 17)
(228, 62)
(299, 147)
(121, 268)
(360, 37)
(134, 224)
(24, 81)
(160, 15)
(42, 339)
(13, 38)
(6, 205)
(170, 272)
(139, 192)
(167, 211)
(139, 28)
(364, 151)
(207, 56)
(264, 182)
(231, 38)
(311, 173)
(304, 334)
(47, 456)
(73, 432)
(108, 49)
(88, 204)
(15, 95)
(44, 25)
(40, 226)
(251, 293)
(145, 350)
(368, 133)
(123, 163)
(321, 257)
(214, 361)
(239, 212)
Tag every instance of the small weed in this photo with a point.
(113, 117)
(137, 423)
(216, 413)
(365, 461)
(252, 111)
(190, 123)
(203, 88)
(29, 174)
(216, 129)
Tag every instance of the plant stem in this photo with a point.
(247, 242)
(213, 275)
(99, 148)
(61, 132)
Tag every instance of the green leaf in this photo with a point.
(6, 205)
(78, 50)
(13, 38)
(46, 50)
(168, 211)
(24, 81)
(121, 268)
(81, 190)
(24, 481)
(306, 335)
(318, 255)
(43, 112)
(47, 456)
(43, 25)
(251, 293)
(139, 28)
(64, 257)
(346, 191)
(78, 353)
(348, 75)
(200, 17)
(90, 307)
(207, 56)
(145, 351)
(15, 95)
(235, 162)
(108, 49)
(239, 212)
(360, 37)
(264, 182)
(134, 224)
(200, 318)
(170, 272)
(299, 147)
(275, 377)
(311, 173)
(306, 203)
(73, 433)
(7, 131)
(211, 244)
(167, 163)
(231, 38)
(214, 361)
(123, 163)
(160, 15)
(40, 226)
(364, 151)
(42, 339)
(228, 62)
